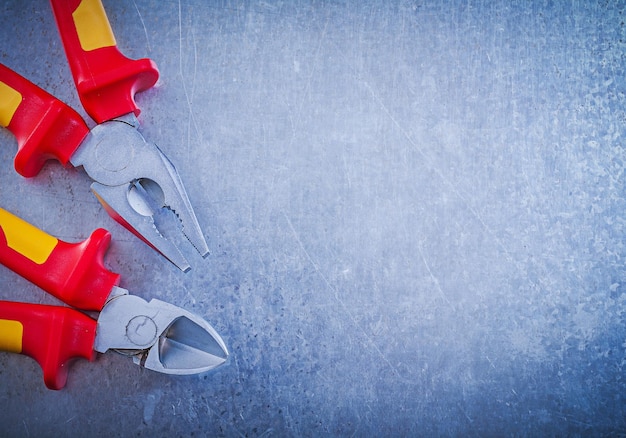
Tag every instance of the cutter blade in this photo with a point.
(159, 336)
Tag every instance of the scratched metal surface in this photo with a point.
(415, 209)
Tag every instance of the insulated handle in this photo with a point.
(72, 272)
(51, 335)
(105, 79)
(45, 127)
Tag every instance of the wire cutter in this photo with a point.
(132, 178)
(157, 335)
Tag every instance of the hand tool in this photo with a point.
(132, 178)
(157, 335)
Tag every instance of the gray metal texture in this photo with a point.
(415, 210)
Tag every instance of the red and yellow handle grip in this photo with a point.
(51, 335)
(45, 127)
(72, 272)
(105, 79)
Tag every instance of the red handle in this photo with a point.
(72, 272)
(105, 79)
(51, 335)
(45, 127)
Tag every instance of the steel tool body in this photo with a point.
(157, 335)
(132, 177)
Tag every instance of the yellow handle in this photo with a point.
(10, 99)
(25, 238)
(92, 26)
(11, 333)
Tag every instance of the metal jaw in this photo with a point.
(158, 336)
(133, 180)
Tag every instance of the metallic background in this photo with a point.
(415, 209)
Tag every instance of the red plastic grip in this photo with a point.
(72, 272)
(105, 79)
(45, 127)
(53, 336)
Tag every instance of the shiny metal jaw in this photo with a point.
(115, 202)
(134, 180)
(159, 336)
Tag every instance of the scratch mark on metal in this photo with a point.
(145, 30)
(432, 276)
(193, 87)
(188, 97)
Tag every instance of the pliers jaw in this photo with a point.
(158, 336)
(133, 180)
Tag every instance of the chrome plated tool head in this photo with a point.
(133, 180)
(158, 335)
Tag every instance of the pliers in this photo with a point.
(132, 178)
(157, 335)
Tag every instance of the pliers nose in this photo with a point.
(133, 179)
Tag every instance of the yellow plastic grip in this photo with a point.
(92, 26)
(26, 239)
(10, 99)
(11, 333)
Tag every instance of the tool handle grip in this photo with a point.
(45, 127)
(51, 335)
(105, 79)
(72, 272)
